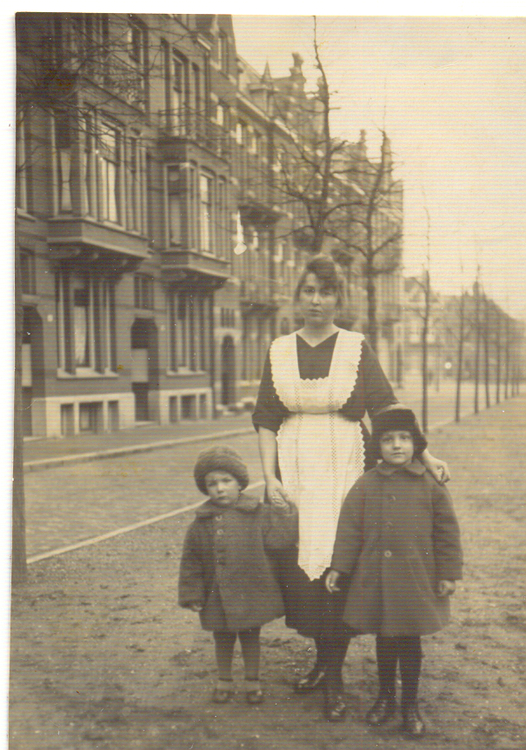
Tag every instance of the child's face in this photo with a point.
(222, 487)
(397, 447)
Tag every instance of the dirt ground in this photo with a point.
(102, 657)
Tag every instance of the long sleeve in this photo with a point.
(269, 411)
(446, 536)
(349, 536)
(191, 571)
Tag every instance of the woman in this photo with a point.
(317, 385)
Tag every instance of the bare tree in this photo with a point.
(460, 355)
(18, 533)
(476, 294)
(486, 348)
(343, 197)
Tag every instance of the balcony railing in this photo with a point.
(262, 292)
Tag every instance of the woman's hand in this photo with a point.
(276, 493)
(195, 607)
(446, 588)
(439, 469)
(331, 581)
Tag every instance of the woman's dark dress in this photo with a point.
(309, 608)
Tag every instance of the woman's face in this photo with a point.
(317, 303)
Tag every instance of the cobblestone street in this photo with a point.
(102, 658)
(76, 501)
(71, 503)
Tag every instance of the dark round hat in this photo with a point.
(396, 417)
(220, 458)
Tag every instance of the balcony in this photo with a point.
(190, 129)
(85, 240)
(193, 270)
(261, 296)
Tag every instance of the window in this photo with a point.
(27, 272)
(174, 201)
(23, 166)
(82, 324)
(257, 144)
(176, 105)
(193, 219)
(135, 186)
(205, 202)
(189, 330)
(221, 115)
(241, 133)
(109, 155)
(89, 167)
(197, 106)
(143, 291)
(85, 322)
(222, 51)
(138, 56)
(63, 162)
(222, 218)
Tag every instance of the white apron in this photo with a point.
(321, 454)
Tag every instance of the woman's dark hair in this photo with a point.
(327, 272)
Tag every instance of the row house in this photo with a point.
(158, 251)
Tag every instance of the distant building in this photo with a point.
(157, 253)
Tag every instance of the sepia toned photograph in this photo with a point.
(269, 435)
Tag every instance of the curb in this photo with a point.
(81, 458)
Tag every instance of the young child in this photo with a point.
(226, 574)
(399, 540)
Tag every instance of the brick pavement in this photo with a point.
(72, 503)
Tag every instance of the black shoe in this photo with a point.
(382, 711)
(412, 723)
(312, 681)
(335, 707)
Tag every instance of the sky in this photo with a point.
(451, 94)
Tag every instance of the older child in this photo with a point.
(399, 540)
(225, 572)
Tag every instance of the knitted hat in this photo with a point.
(396, 417)
(220, 458)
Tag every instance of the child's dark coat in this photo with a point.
(225, 566)
(398, 536)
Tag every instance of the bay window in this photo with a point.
(109, 163)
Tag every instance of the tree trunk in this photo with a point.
(486, 350)
(372, 324)
(424, 376)
(477, 348)
(18, 531)
(497, 349)
(507, 359)
(425, 329)
(460, 358)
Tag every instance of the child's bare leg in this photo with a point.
(251, 650)
(224, 647)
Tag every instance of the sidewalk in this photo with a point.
(52, 452)
(103, 657)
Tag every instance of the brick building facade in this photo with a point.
(158, 261)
